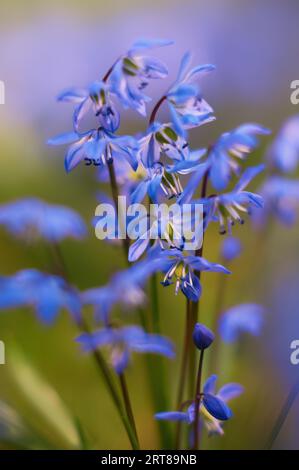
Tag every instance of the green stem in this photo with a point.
(115, 194)
(184, 370)
(197, 401)
(155, 304)
(107, 376)
(128, 406)
(195, 305)
(282, 415)
(156, 369)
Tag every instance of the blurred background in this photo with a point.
(48, 46)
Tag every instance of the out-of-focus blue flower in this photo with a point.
(225, 208)
(46, 293)
(231, 248)
(96, 98)
(213, 406)
(125, 288)
(33, 217)
(132, 72)
(284, 151)
(281, 201)
(181, 268)
(203, 337)
(97, 145)
(237, 143)
(188, 108)
(123, 341)
(243, 318)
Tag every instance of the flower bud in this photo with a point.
(202, 336)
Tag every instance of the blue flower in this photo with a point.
(97, 98)
(213, 406)
(203, 337)
(284, 151)
(97, 145)
(31, 216)
(281, 201)
(121, 342)
(243, 318)
(237, 143)
(132, 72)
(188, 108)
(225, 208)
(125, 288)
(183, 269)
(46, 293)
(230, 248)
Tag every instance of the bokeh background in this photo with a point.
(48, 46)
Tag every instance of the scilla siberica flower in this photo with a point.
(180, 270)
(225, 208)
(283, 154)
(98, 145)
(188, 108)
(96, 97)
(125, 288)
(237, 143)
(281, 201)
(132, 72)
(121, 342)
(33, 217)
(163, 179)
(240, 319)
(46, 293)
(213, 406)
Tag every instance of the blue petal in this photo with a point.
(230, 391)
(216, 407)
(138, 248)
(209, 386)
(150, 44)
(172, 416)
(62, 139)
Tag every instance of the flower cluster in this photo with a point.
(158, 166)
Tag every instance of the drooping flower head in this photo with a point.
(283, 153)
(45, 293)
(121, 342)
(226, 208)
(132, 72)
(31, 217)
(187, 106)
(125, 288)
(243, 318)
(213, 406)
(97, 145)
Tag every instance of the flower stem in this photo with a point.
(156, 109)
(282, 415)
(195, 305)
(115, 194)
(156, 369)
(106, 374)
(101, 363)
(128, 406)
(197, 401)
(184, 370)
